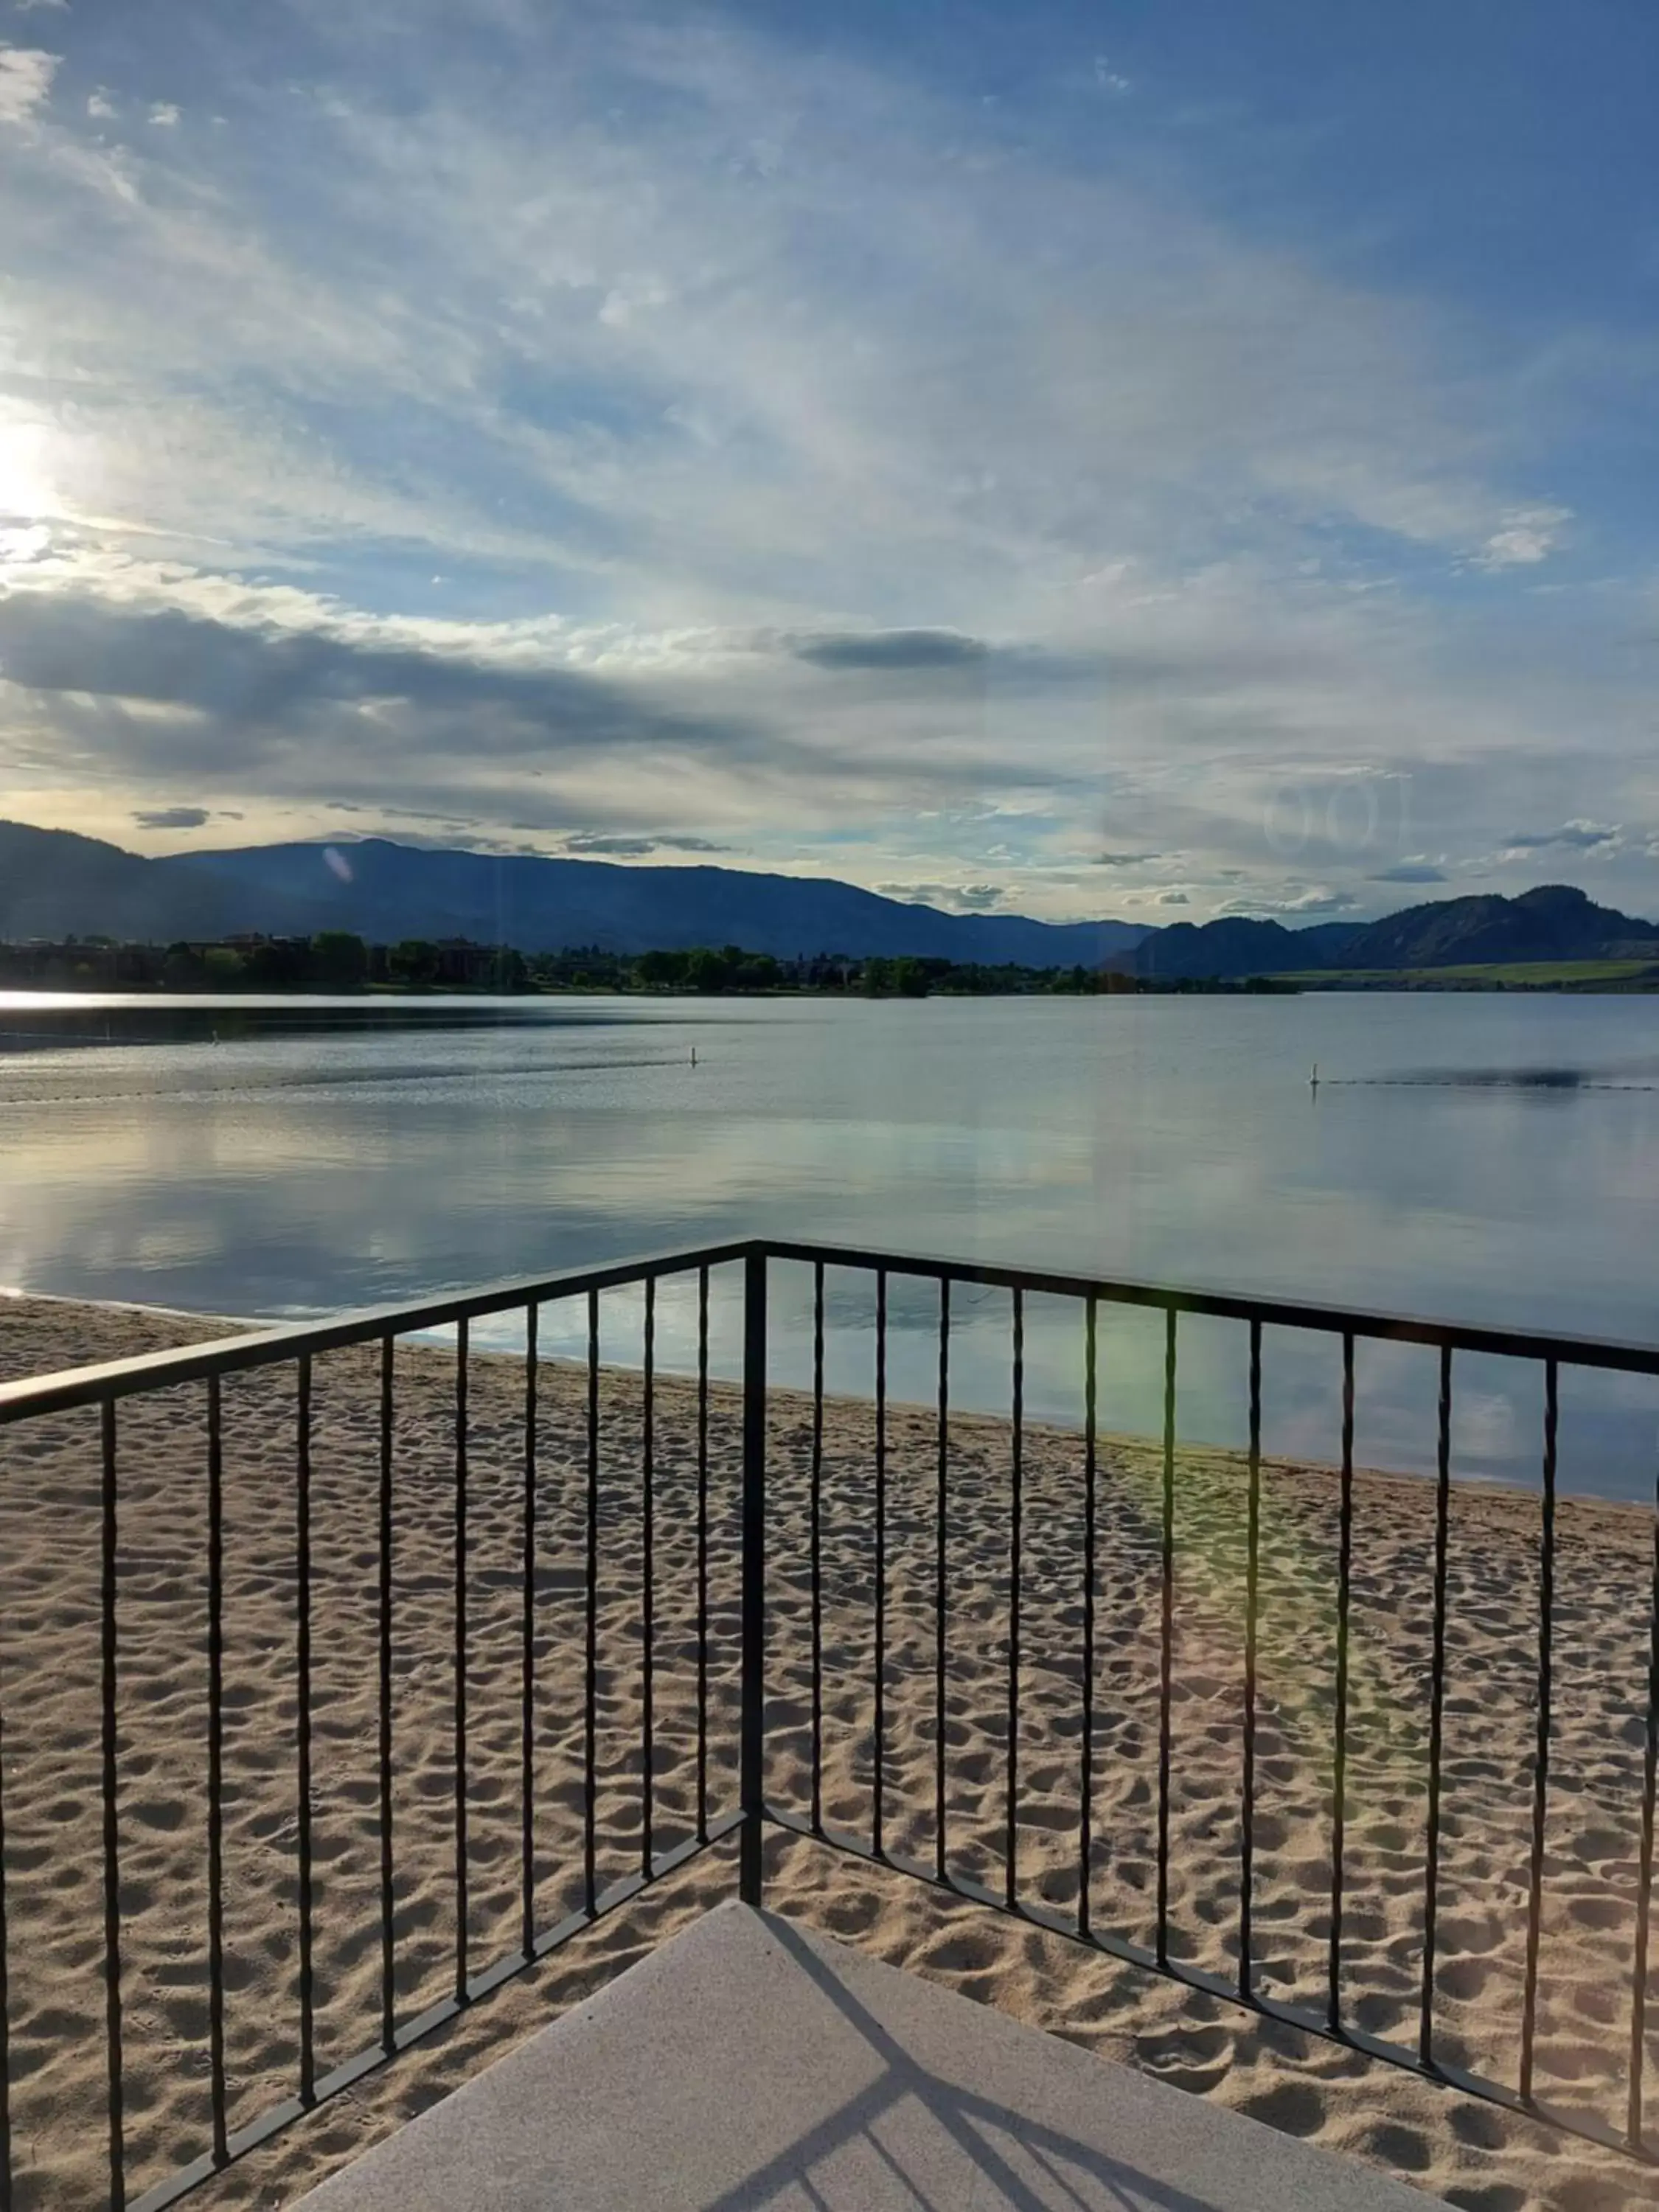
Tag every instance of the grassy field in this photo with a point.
(1496, 975)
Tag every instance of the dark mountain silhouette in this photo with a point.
(386, 891)
(1554, 923)
(1238, 946)
(1324, 941)
(56, 884)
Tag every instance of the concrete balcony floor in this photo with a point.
(750, 2064)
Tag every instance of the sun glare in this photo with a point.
(25, 490)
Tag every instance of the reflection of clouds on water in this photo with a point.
(1156, 1140)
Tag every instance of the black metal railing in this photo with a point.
(750, 1484)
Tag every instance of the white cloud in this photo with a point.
(1527, 536)
(164, 114)
(26, 75)
(100, 106)
(997, 415)
(1271, 904)
(940, 474)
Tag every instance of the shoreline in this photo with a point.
(16, 1295)
(1636, 1515)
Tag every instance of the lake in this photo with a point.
(1478, 1158)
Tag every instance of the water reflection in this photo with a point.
(1165, 1141)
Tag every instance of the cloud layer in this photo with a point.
(609, 433)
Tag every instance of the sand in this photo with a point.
(1451, 2146)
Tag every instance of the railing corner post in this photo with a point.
(752, 1776)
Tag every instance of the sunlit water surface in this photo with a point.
(1483, 1159)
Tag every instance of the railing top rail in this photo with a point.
(1627, 1357)
(77, 1387)
(85, 1386)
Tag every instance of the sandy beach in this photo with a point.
(1451, 2146)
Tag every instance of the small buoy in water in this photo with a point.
(694, 1055)
(1313, 1080)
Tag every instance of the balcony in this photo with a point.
(370, 1663)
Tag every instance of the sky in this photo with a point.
(1162, 459)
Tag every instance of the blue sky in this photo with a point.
(1156, 460)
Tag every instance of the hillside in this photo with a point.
(1236, 946)
(1553, 923)
(386, 891)
(53, 884)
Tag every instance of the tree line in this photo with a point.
(335, 961)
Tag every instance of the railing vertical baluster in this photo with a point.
(388, 1853)
(216, 1818)
(879, 1773)
(5, 1996)
(1086, 1778)
(590, 1656)
(110, 1744)
(752, 1779)
(647, 1595)
(1340, 1773)
(302, 1744)
(1437, 1708)
(1166, 1640)
(1252, 1594)
(816, 1542)
(463, 1899)
(941, 1590)
(702, 1554)
(1541, 1762)
(1016, 1537)
(1638, 2006)
(527, 1681)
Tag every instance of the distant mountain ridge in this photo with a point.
(1554, 921)
(386, 891)
(55, 884)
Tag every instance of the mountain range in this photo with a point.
(54, 883)
(1553, 922)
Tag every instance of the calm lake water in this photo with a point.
(1483, 1159)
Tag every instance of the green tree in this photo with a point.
(413, 963)
(182, 969)
(340, 960)
(705, 969)
(658, 970)
(223, 967)
(281, 965)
